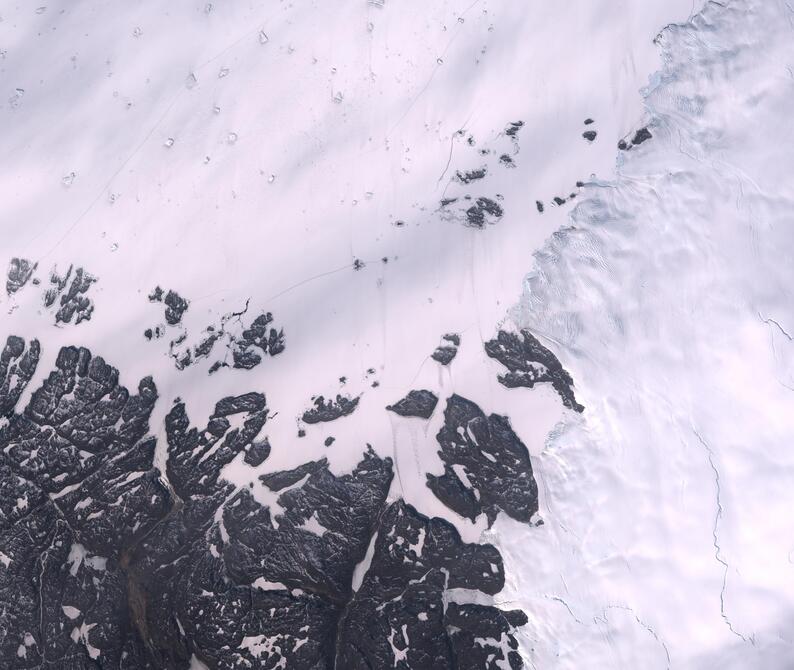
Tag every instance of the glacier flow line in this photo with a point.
(433, 73)
(715, 538)
(771, 321)
(106, 187)
(645, 625)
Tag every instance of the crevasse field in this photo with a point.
(343, 203)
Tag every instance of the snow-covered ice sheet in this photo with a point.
(256, 151)
(669, 296)
(312, 160)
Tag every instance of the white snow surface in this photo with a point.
(668, 539)
(175, 145)
(105, 87)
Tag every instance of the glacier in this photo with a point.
(278, 391)
(668, 296)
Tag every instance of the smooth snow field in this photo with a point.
(301, 158)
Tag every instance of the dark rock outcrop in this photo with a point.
(470, 625)
(77, 486)
(278, 481)
(484, 210)
(105, 562)
(399, 617)
(257, 453)
(471, 175)
(244, 346)
(513, 127)
(18, 362)
(474, 212)
(444, 354)
(330, 410)
(642, 135)
(416, 403)
(486, 466)
(530, 363)
(175, 304)
(175, 307)
(259, 335)
(20, 270)
(72, 302)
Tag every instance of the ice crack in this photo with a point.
(645, 625)
(779, 327)
(557, 599)
(715, 538)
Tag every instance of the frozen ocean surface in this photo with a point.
(381, 177)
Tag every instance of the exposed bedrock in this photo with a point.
(329, 410)
(399, 617)
(19, 273)
(529, 363)
(486, 466)
(105, 562)
(417, 403)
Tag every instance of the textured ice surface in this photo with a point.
(668, 503)
(379, 174)
(133, 102)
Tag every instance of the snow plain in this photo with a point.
(236, 151)
(301, 134)
(670, 537)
